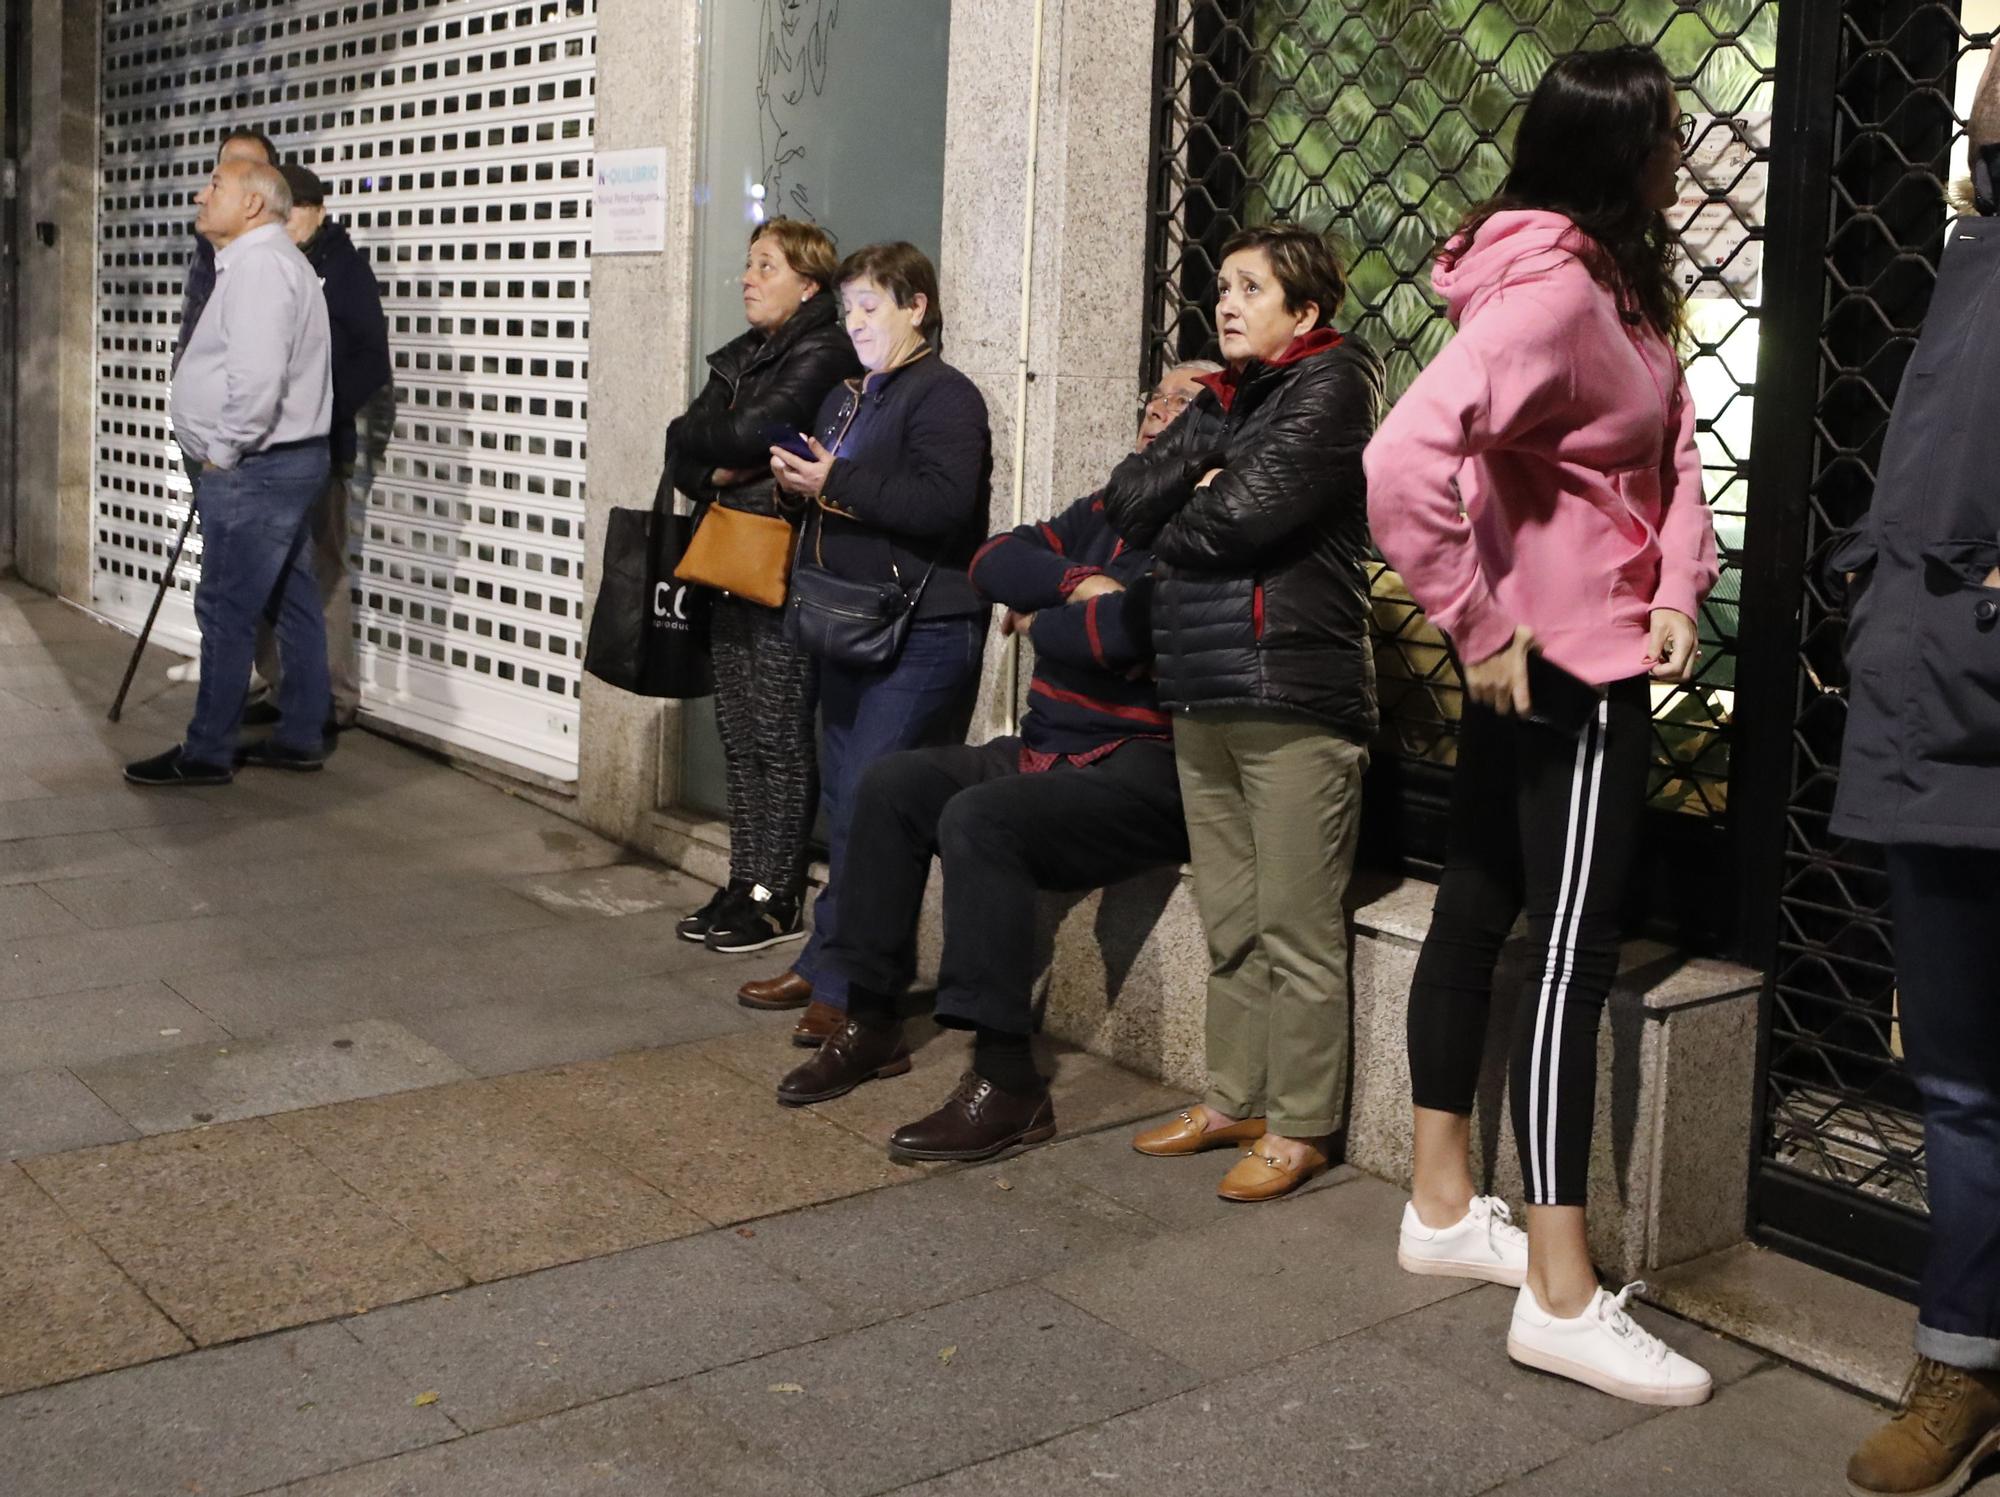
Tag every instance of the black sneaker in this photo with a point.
(171, 769)
(757, 922)
(696, 925)
(268, 755)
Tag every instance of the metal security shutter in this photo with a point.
(455, 139)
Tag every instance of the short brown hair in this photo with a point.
(807, 248)
(902, 270)
(1305, 262)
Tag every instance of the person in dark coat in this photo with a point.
(1083, 796)
(1255, 505)
(774, 376)
(1920, 774)
(896, 481)
(360, 383)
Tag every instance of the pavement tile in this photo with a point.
(897, 1402)
(501, 1353)
(237, 841)
(102, 1024)
(1281, 1277)
(519, 1034)
(544, 849)
(622, 889)
(662, 1441)
(1778, 1433)
(1466, 1337)
(1352, 1416)
(440, 910)
(108, 810)
(16, 786)
(67, 1311)
(222, 1423)
(220, 1082)
(893, 1251)
(36, 859)
(159, 892)
(26, 911)
(65, 963)
(713, 1140)
(47, 1112)
(489, 1183)
(272, 997)
(234, 1230)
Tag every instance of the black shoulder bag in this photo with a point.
(858, 624)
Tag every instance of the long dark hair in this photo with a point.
(1590, 127)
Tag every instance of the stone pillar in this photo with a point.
(648, 66)
(56, 321)
(1086, 311)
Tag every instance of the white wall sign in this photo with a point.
(629, 214)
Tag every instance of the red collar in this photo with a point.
(1225, 382)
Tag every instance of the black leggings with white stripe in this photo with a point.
(1545, 822)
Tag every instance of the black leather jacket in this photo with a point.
(1262, 592)
(757, 383)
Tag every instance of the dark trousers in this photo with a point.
(925, 698)
(1546, 822)
(256, 562)
(1946, 903)
(764, 693)
(1002, 835)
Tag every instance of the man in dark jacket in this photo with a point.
(1920, 774)
(362, 415)
(1085, 796)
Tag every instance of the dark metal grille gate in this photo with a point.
(1874, 88)
(1383, 119)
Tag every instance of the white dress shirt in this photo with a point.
(258, 371)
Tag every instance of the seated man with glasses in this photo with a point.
(1085, 796)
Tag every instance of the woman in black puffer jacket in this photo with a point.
(1256, 506)
(719, 452)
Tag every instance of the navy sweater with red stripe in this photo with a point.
(1093, 682)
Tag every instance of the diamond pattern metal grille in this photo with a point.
(455, 138)
(1839, 1107)
(1384, 120)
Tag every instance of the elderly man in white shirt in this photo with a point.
(252, 404)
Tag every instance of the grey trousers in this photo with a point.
(764, 700)
(328, 536)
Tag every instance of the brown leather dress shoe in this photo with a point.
(1188, 1133)
(1262, 1176)
(977, 1122)
(817, 1024)
(852, 1054)
(786, 990)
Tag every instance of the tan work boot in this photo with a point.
(1948, 1424)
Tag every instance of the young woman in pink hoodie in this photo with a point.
(1539, 490)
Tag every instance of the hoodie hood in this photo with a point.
(1516, 246)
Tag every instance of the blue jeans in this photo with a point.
(256, 561)
(925, 698)
(1944, 901)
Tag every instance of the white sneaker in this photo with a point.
(187, 670)
(1606, 1349)
(1483, 1244)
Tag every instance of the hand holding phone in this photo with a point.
(785, 439)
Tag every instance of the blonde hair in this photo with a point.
(807, 248)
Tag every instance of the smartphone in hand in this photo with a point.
(785, 439)
(1557, 699)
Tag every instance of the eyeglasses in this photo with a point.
(1170, 403)
(1685, 129)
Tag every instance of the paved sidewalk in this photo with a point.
(369, 1133)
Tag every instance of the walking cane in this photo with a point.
(166, 581)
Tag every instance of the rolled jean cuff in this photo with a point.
(1976, 1352)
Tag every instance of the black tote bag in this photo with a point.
(649, 630)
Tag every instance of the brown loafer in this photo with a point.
(786, 990)
(1187, 1134)
(817, 1024)
(1259, 1176)
(852, 1054)
(978, 1121)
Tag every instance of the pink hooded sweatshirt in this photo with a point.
(1542, 471)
